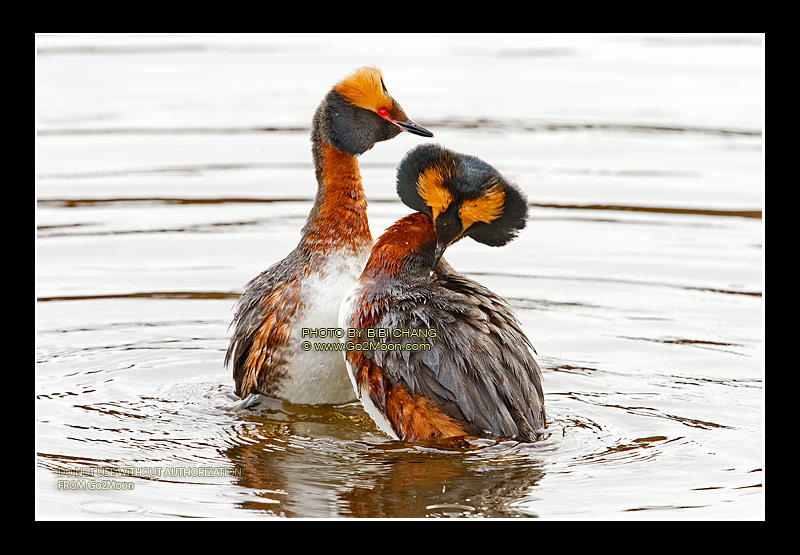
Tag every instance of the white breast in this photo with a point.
(320, 377)
(347, 313)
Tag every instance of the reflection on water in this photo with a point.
(368, 476)
(638, 278)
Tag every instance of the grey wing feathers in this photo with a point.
(480, 368)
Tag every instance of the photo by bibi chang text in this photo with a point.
(369, 333)
(367, 337)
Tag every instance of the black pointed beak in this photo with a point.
(437, 255)
(448, 228)
(414, 128)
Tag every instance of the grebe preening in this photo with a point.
(479, 377)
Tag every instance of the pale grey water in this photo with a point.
(172, 169)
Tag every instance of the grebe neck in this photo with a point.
(338, 218)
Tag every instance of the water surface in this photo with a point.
(172, 169)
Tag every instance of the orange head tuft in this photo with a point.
(365, 88)
(463, 195)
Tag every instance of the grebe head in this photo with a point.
(464, 195)
(359, 112)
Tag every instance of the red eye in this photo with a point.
(383, 112)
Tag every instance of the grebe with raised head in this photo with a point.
(305, 289)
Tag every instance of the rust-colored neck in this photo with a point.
(412, 235)
(339, 216)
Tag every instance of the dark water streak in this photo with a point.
(76, 203)
(488, 124)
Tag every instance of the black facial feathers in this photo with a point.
(464, 190)
(351, 129)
